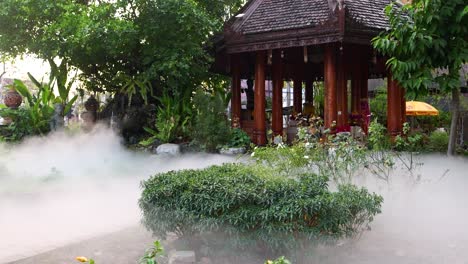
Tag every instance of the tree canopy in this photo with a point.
(427, 44)
(122, 44)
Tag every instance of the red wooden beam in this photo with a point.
(330, 85)
(259, 110)
(236, 91)
(277, 77)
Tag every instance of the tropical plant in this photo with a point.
(34, 117)
(136, 86)
(173, 119)
(59, 76)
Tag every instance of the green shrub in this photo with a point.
(211, 129)
(253, 206)
(438, 141)
(172, 120)
(378, 105)
(26, 122)
(239, 138)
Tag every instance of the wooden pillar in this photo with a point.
(297, 91)
(259, 110)
(356, 81)
(330, 85)
(342, 92)
(236, 91)
(364, 109)
(309, 91)
(394, 106)
(277, 102)
(403, 105)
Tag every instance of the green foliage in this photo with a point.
(378, 105)
(136, 86)
(438, 141)
(19, 128)
(239, 138)
(427, 44)
(280, 260)
(32, 118)
(210, 128)
(285, 161)
(152, 253)
(410, 142)
(173, 118)
(378, 139)
(425, 36)
(119, 44)
(253, 205)
(319, 98)
(59, 74)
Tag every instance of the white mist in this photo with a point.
(66, 188)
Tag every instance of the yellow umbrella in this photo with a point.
(415, 108)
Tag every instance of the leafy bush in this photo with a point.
(239, 138)
(210, 129)
(438, 141)
(254, 206)
(22, 125)
(378, 139)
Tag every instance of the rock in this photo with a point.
(232, 151)
(168, 149)
(278, 140)
(182, 257)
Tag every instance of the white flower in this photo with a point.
(253, 154)
(307, 144)
(306, 157)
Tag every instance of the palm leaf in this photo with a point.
(21, 88)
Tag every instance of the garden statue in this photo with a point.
(89, 117)
(57, 121)
(235, 122)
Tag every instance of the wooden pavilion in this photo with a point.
(306, 41)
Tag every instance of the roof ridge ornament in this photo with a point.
(333, 4)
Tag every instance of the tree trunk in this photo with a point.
(455, 107)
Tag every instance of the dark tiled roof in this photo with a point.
(274, 15)
(368, 12)
(277, 15)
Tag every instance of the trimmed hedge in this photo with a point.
(249, 204)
